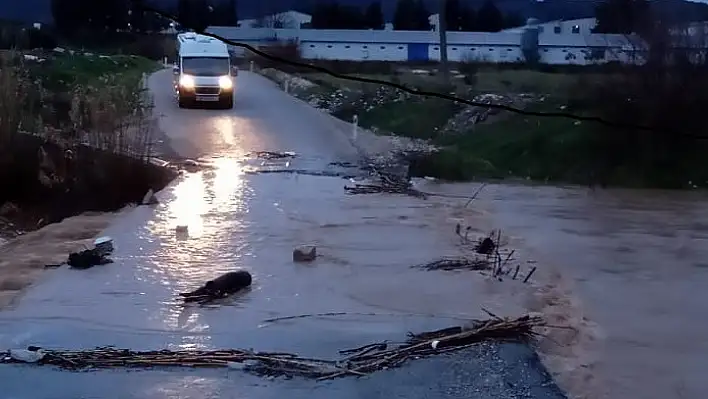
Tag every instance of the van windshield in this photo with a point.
(205, 66)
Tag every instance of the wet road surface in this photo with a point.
(250, 220)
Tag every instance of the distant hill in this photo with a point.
(547, 10)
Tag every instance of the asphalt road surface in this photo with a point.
(238, 217)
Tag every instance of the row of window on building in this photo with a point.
(558, 30)
(436, 48)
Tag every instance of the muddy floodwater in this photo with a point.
(637, 263)
(236, 219)
(619, 274)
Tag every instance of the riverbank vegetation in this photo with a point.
(661, 95)
(76, 134)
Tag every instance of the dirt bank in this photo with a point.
(48, 190)
(24, 258)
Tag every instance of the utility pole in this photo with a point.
(442, 29)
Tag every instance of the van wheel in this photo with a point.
(181, 102)
(227, 102)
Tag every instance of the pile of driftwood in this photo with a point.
(273, 154)
(386, 184)
(490, 256)
(357, 362)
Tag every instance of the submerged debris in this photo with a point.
(386, 184)
(221, 287)
(488, 256)
(358, 362)
(460, 263)
(486, 246)
(304, 253)
(88, 258)
(274, 154)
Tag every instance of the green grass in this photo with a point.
(487, 80)
(517, 146)
(561, 150)
(418, 117)
(507, 145)
(66, 71)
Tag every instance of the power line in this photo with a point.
(416, 92)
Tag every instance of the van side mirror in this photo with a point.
(175, 69)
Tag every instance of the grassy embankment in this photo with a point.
(76, 135)
(507, 145)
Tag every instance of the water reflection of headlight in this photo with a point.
(225, 83)
(186, 81)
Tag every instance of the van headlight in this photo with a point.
(186, 82)
(225, 83)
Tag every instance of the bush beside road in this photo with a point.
(77, 134)
(486, 143)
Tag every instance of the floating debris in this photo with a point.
(274, 154)
(460, 263)
(88, 258)
(386, 184)
(358, 362)
(221, 287)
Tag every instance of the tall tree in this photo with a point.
(512, 19)
(411, 15)
(225, 13)
(453, 16)
(374, 16)
(146, 21)
(623, 16)
(403, 16)
(67, 14)
(489, 18)
(468, 19)
(332, 15)
(194, 14)
(71, 16)
(421, 15)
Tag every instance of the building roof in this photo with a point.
(364, 36)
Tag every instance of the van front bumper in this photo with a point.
(205, 94)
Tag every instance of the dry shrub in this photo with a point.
(154, 47)
(98, 160)
(14, 85)
(289, 50)
(113, 116)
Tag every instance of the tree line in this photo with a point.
(121, 15)
(413, 15)
(109, 16)
(623, 17)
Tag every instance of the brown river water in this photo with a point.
(628, 268)
(619, 272)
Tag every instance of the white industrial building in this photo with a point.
(555, 42)
(582, 26)
(284, 20)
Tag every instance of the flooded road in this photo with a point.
(237, 218)
(637, 261)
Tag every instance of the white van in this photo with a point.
(203, 71)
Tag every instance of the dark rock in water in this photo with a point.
(223, 286)
(87, 259)
(305, 253)
(486, 247)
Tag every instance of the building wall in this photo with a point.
(368, 45)
(571, 27)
